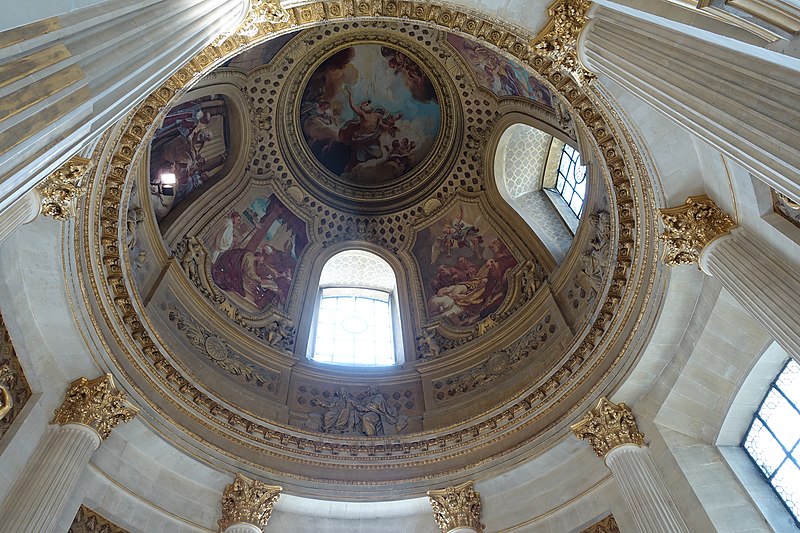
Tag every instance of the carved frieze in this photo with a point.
(14, 388)
(216, 349)
(88, 521)
(370, 414)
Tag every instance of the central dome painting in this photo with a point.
(369, 114)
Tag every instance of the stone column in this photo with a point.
(754, 273)
(612, 432)
(67, 78)
(247, 505)
(739, 98)
(457, 509)
(91, 409)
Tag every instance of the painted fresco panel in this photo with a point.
(464, 265)
(193, 142)
(500, 75)
(254, 252)
(369, 114)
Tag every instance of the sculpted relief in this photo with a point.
(368, 414)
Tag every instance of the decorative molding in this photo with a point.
(455, 507)
(785, 207)
(14, 388)
(60, 190)
(559, 40)
(97, 404)
(247, 501)
(690, 227)
(88, 521)
(217, 350)
(607, 426)
(606, 525)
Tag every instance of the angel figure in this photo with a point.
(457, 233)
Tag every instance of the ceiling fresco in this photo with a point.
(193, 144)
(502, 76)
(369, 113)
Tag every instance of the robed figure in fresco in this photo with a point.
(255, 270)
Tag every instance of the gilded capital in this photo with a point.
(247, 501)
(690, 227)
(607, 426)
(559, 39)
(60, 189)
(458, 506)
(262, 12)
(97, 404)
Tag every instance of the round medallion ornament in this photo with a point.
(216, 349)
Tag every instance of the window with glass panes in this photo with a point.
(773, 438)
(571, 179)
(354, 327)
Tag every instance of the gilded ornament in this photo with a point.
(458, 506)
(97, 404)
(690, 227)
(88, 521)
(247, 501)
(607, 426)
(6, 398)
(558, 42)
(606, 525)
(60, 189)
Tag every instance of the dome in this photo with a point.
(397, 140)
(371, 255)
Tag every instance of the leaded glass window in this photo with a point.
(773, 439)
(571, 179)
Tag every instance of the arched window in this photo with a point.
(357, 320)
(773, 439)
(571, 179)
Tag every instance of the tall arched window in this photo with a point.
(773, 439)
(357, 320)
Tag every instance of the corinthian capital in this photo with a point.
(558, 41)
(690, 227)
(247, 501)
(60, 189)
(97, 404)
(458, 506)
(607, 426)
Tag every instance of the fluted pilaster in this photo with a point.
(78, 73)
(766, 285)
(40, 495)
(613, 434)
(737, 97)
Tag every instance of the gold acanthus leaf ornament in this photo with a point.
(60, 190)
(95, 403)
(458, 506)
(6, 398)
(607, 426)
(690, 227)
(262, 12)
(559, 39)
(247, 501)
